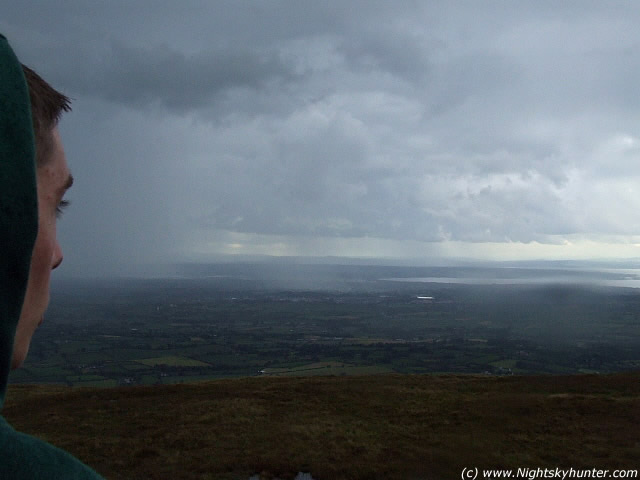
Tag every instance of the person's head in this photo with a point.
(52, 179)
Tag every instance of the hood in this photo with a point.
(18, 201)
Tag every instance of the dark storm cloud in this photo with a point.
(204, 127)
(160, 75)
(399, 53)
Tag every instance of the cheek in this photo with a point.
(41, 259)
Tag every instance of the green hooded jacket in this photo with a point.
(21, 456)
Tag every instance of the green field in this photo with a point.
(172, 361)
(326, 368)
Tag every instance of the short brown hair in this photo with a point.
(47, 105)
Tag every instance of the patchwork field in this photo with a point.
(172, 361)
(326, 368)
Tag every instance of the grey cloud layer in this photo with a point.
(427, 121)
(160, 75)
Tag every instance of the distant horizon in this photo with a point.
(160, 268)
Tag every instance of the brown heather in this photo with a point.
(367, 427)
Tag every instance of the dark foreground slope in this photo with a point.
(389, 426)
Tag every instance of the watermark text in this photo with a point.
(535, 473)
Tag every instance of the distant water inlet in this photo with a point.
(628, 278)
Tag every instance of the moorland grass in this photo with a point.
(364, 427)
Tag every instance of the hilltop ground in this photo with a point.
(383, 426)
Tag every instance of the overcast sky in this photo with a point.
(427, 129)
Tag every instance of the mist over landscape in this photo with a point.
(331, 273)
(303, 316)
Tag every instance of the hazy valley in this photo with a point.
(490, 368)
(245, 320)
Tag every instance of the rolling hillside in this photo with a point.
(382, 426)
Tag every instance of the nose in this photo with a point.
(57, 257)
